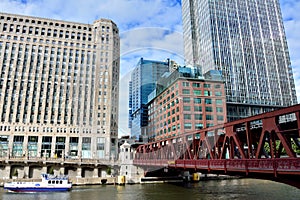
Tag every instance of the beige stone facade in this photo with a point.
(59, 88)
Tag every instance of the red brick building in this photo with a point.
(186, 104)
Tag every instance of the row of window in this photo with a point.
(49, 139)
(52, 24)
(47, 41)
(198, 85)
(43, 129)
(187, 126)
(39, 22)
(37, 31)
(42, 88)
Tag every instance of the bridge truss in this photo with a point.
(262, 146)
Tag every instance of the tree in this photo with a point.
(51, 170)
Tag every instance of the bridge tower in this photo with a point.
(132, 173)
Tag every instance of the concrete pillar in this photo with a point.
(25, 146)
(80, 147)
(107, 148)
(95, 172)
(67, 146)
(10, 145)
(79, 170)
(44, 169)
(93, 146)
(26, 172)
(39, 148)
(6, 172)
(62, 171)
(53, 147)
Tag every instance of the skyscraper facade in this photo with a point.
(246, 41)
(143, 82)
(58, 87)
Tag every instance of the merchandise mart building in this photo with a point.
(59, 88)
(246, 41)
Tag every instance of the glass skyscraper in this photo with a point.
(246, 41)
(143, 82)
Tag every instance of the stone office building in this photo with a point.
(59, 88)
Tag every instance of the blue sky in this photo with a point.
(148, 28)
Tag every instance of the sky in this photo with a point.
(151, 29)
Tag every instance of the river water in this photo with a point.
(245, 189)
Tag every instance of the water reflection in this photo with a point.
(245, 189)
(36, 196)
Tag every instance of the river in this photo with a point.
(245, 189)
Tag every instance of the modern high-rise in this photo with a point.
(143, 82)
(246, 41)
(59, 88)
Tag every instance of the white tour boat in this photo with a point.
(49, 183)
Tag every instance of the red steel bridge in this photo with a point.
(265, 146)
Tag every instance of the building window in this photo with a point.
(208, 109)
(197, 100)
(174, 128)
(218, 93)
(206, 93)
(198, 126)
(208, 101)
(197, 108)
(209, 117)
(186, 100)
(219, 101)
(185, 84)
(198, 116)
(185, 91)
(186, 108)
(187, 125)
(196, 85)
(206, 85)
(220, 118)
(187, 116)
(209, 125)
(219, 110)
(197, 92)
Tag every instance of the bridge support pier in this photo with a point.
(186, 176)
(62, 170)
(79, 172)
(95, 173)
(44, 170)
(5, 173)
(26, 172)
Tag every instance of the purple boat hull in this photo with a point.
(40, 189)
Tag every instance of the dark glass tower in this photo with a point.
(142, 84)
(246, 41)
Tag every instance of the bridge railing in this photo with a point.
(74, 161)
(275, 166)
